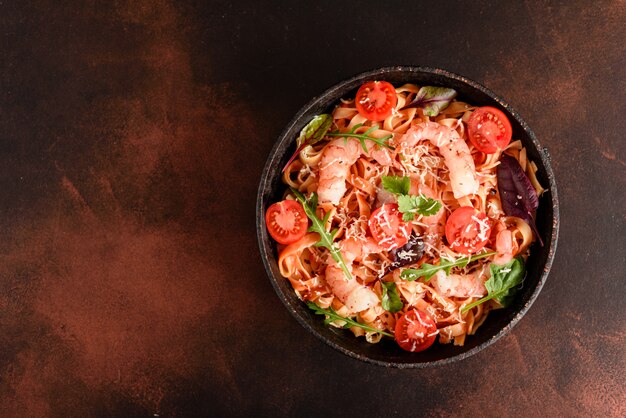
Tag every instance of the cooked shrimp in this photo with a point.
(381, 155)
(356, 296)
(460, 285)
(504, 247)
(455, 153)
(337, 158)
(504, 243)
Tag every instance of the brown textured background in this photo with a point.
(132, 137)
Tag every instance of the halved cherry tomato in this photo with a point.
(286, 221)
(375, 99)
(415, 331)
(388, 228)
(467, 230)
(489, 129)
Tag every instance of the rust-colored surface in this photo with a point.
(132, 136)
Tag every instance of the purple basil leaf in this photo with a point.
(517, 193)
(432, 99)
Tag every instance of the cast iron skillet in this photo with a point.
(387, 352)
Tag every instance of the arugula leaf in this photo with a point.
(428, 270)
(332, 315)
(317, 225)
(381, 142)
(432, 99)
(410, 205)
(391, 300)
(503, 283)
(396, 184)
(311, 134)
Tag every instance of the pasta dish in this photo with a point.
(407, 214)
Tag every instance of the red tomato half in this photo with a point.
(489, 129)
(467, 230)
(286, 221)
(375, 99)
(388, 228)
(415, 331)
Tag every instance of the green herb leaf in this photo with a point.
(332, 315)
(396, 184)
(313, 202)
(505, 280)
(391, 300)
(370, 130)
(428, 270)
(503, 283)
(410, 205)
(381, 142)
(432, 99)
(317, 225)
(355, 127)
